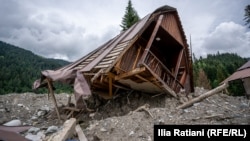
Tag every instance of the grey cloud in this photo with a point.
(228, 37)
(69, 30)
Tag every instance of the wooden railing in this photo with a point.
(163, 73)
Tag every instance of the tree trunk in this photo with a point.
(203, 96)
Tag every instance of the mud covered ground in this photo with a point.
(129, 115)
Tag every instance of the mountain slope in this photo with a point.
(20, 68)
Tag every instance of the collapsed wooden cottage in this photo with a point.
(152, 56)
(243, 74)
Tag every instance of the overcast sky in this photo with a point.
(69, 29)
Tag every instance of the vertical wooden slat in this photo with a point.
(178, 65)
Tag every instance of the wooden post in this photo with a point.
(111, 77)
(203, 96)
(53, 98)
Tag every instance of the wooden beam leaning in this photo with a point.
(203, 96)
(96, 75)
(150, 42)
(130, 73)
(53, 98)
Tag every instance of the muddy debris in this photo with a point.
(128, 116)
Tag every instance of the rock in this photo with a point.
(20, 105)
(41, 113)
(15, 122)
(33, 130)
(38, 137)
(45, 108)
(131, 133)
(34, 118)
(243, 105)
(103, 129)
(51, 129)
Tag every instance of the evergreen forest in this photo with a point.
(20, 68)
(209, 72)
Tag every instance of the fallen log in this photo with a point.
(203, 96)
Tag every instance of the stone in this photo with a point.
(20, 105)
(34, 118)
(51, 129)
(131, 133)
(38, 137)
(103, 129)
(33, 130)
(41, 113)
(15, 122)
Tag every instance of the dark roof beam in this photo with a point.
(149, 44)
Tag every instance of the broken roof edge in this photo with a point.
(244, 66)
(241, 73)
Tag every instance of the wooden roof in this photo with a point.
(107, 54)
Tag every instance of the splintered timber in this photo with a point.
(178, 132)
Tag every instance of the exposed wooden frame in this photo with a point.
(164, 86)
(96, 75)
(130, 73)
(149, 44)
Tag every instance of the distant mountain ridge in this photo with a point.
(19, 68)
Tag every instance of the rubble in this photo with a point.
(123, 117)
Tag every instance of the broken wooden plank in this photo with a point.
(96, 75)
(66, 132)
(203, 96)
(80, 133)
(130, 73)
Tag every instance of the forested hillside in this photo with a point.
(210, 71)
(20, 68)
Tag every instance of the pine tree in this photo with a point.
(202, 80)
(247, 15)
(130, 17)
